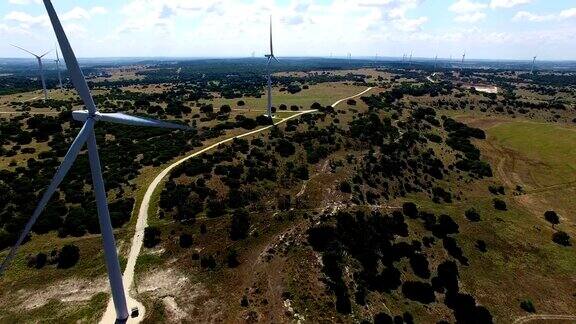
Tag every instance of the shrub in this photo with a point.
(240, 225)
(552, 217)
(528, 306)
(240, 103)
(345, 187)
(232, 258)
(472, 215)
(561, 238)
(499, 204)
(186, 240)
(39, 261)
(208, 262)
(382, 318)
(151, 236)
(418, 291)
(225, 109)
(68, 256)
(481, 246)
(409, 209)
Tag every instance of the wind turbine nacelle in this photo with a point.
(82, 115)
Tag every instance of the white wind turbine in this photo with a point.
(57, 60)
(86, 135)
(40, 68)
(270, 57)
(533, 65)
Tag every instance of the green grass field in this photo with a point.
(551, 145)
(324, 93)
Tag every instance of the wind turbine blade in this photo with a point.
(271, 48)
(56, 180)
(275, 59)
(121, 118)
(71, 62)
(45, 53)
(25, 50)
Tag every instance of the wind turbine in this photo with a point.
(462, 63)
(86, 135)
(270, 57)
(40, 68)
(58, 68)
(435, 61)
(410, 60)
(533, 65)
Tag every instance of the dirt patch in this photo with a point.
(174, 311)
(163, 283)
(481, 122)
(70, 290)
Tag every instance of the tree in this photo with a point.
(472, 215)
(208, 262)
(207, 109)
(499, 204)
(561, 238)
(552, 217)
(409, 209)
(68, 256)
(151, 236)
(225, 109)
(240, 103)
(232, 258)
(285, 148)
(186, 240)
(528, 306)
(240, 225)
(345, 187)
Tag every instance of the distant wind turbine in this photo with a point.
(87, 135)
(58, 68)
(410, 60)
(462, 63)
(40, 68)
(270, 57)
(435, 61)
(533, 65)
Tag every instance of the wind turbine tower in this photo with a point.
(58, 68)
(462, 63)
(533, 65)
(435, 61)
(90, 118)
(410, 59)
(40, 68)
(270, 57)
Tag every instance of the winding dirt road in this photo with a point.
(530, 318)
(142, 221)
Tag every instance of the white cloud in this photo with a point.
(494, 4)
(467, 6)
(471, 18)
(525, 15)
(468, 11)
(568, 13)
(26, 20)
(528, 16)
(77, 13)
(23, 2)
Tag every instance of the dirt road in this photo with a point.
(142, 221)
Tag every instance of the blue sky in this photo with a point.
(491, 29)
